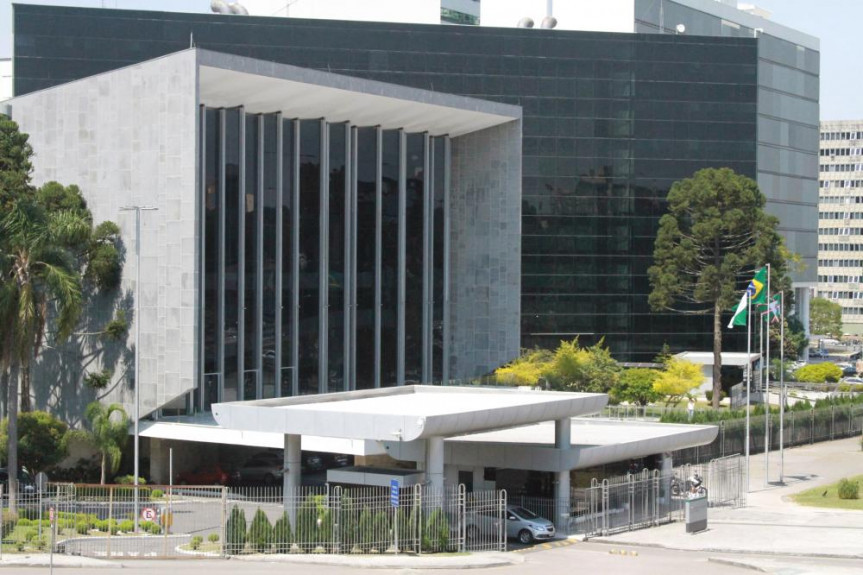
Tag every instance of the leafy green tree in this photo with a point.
(108, 433)
(589, 369)
(636, 386)
(825, 317)
(715, 232)
(42, 440)
(819, 373)
(260, 532)
(15, 163)
(15, 170)
(38, 282)
(282, 535)
(526, 369)
(235, 532)
(679, 378)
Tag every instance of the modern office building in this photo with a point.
(464, 12)
(840, 220)
(610, 122)
(301, 243)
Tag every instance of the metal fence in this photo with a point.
(100, 521)
(800, 428)
(641, 500)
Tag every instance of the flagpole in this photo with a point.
(767, 387)
(748, 378)
(782, 388)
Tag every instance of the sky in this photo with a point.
(836, 22)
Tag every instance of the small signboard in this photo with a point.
(148, 514)
(394, 492)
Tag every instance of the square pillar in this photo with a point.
(292, 476)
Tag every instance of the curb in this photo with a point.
(483, 562)
(730, 551)
(548, 545)
(735, 563)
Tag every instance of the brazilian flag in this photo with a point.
(757, 292)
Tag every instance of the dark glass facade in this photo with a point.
(610, 122)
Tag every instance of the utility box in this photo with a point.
(696, 514)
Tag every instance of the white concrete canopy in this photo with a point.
(405, 413)
(594, 442)
(266, 87)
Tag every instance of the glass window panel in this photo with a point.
(438, 257)
(366, 250)
(288, 231)
(389, 264)
(251, 205)
(336, 283)
(310, 204)
(414, 210)
(268, 282)
(212, 216)
(232, 254)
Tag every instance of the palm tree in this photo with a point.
(40, 279)
(108, 433)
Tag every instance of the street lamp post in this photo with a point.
(137, 417)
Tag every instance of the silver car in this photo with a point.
(526, 526)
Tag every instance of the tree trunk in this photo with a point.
(4, 391)
(717, 354)
(25, 386)
(102, 481)
(12, 448)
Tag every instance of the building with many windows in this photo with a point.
(347, 289)
(840, 219)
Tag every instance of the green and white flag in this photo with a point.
(755, 290)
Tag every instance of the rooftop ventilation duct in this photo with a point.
(237, 8)
(525, 23)
(219, 7)
(548, 22)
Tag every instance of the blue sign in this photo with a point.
(394, 492)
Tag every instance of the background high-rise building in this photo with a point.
(840, 219)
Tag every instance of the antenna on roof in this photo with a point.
(191, 39)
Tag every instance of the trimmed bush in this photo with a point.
(10, 520)
(127, 525)
(213, 537)
(150, 527)
(365, 530)
(129, 480)
(82, 528)
(381, 528)
(848, 489)
(819, 372)
(235, 532)
(196, 541)
(436, 532)
(157, 493)
(260, 532)
(282, 535)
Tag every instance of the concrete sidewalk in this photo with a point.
(772, 523)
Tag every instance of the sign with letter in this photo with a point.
(148, 514)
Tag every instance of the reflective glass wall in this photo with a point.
(323, 253)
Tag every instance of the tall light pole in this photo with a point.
(137, 210)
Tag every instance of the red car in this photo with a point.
(211, 474)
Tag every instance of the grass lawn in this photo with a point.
(816, 496)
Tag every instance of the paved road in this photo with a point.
(580, 557)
